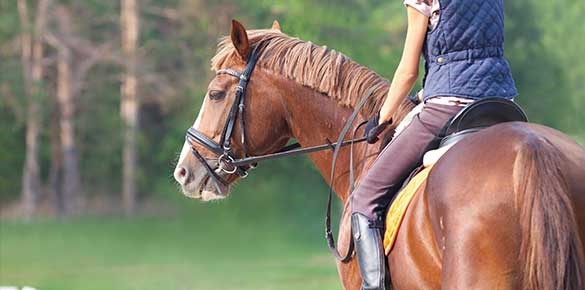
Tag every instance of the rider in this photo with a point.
(462, 44)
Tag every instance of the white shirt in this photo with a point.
(432, 10)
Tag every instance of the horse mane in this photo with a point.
(322, 69)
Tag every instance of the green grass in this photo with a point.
(267, 235)
(149, 253)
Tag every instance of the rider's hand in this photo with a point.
(374, 128)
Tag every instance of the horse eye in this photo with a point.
(216, 95)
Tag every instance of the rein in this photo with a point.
(230, 164)
(328, 233)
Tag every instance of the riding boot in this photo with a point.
(370, 252)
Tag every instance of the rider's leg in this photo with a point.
(383, 180)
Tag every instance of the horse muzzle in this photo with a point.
(197, 183)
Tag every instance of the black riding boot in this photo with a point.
(370, 252)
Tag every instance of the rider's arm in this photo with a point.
(407, 72)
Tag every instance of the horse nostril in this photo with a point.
(181, 175)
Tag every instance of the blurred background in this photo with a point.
(95, 98)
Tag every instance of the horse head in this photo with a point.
(264, 130)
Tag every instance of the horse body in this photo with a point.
(466, 219)
(503, 209)
(482, 221)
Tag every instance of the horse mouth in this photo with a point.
(191, 191)
(208, 191)
(205, 190)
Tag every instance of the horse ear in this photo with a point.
(240, 40)
(276, 25)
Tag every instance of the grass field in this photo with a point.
(268, 235)
(149, 253)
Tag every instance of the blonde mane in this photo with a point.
(317, 67)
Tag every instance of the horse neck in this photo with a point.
(313, 118)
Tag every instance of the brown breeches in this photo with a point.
(402, 155)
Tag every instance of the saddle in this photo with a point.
(480, 115)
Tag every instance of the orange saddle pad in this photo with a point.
(400, 205)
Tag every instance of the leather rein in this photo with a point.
(230, 164)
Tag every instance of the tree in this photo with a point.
(129, 105)
(66, 103)
(75, 58)
(31, 58)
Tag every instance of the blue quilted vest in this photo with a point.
(464, 54)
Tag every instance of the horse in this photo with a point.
(502, 209)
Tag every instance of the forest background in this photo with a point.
(95, 97)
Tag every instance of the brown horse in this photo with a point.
(503, 209)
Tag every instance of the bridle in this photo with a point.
(226, 159)
(230, 164)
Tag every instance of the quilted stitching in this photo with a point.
(469, 40)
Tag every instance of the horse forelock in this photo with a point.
(322, 69)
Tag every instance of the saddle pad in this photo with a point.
(399, 206)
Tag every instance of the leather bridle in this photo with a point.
(223, 149)
(230, 164)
